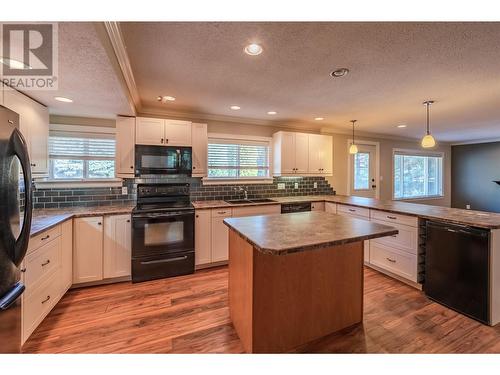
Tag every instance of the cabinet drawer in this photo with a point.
(399, 262)
(394, 218)
(37, 305)
(41, 263)
(256, 210)
(405, 240)
(222, 212)
(44, 237)
(353, 210)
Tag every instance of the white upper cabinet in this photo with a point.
(125, 143)
(160, 132)
(320, 154)
(149, 131)
(34, 125)
(199, 140)
(177, 133)
(302, 154)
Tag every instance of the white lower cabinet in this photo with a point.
(220, 235)
(331, 207)
(117, 246)
(358, 213)
(212, 235)
(317, 206)
(88, 249)
(45, 271)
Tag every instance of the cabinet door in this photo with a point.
(199, 140)
(117, 246)
(331, 207)
(177, 133)
(327, 154)
(125, 141)
(149, 131)
(88, 248)
(318, 206)
(287, 153)
(66, 255)
(34, 125)
(315, 145)
(301, 153)
(220, 235)
(202, 237)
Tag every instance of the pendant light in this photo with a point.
(353, 149)
(428, 140)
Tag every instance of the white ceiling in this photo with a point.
(394, 68)
(85, 75)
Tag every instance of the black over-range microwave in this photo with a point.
(162, 160)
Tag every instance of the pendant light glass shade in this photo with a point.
(428, 140)
(353, 149)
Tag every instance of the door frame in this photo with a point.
(377, 164)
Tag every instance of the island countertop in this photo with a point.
(290, 233)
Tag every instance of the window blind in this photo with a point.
(237, 159)
(62, 147)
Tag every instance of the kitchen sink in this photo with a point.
(247, 201)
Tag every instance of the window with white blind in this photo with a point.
(238, 159)
(81, 156)
(417, 174)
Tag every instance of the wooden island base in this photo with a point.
(278, 302)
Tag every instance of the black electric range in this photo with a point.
(163, 232)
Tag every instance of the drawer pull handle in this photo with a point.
(46, 299)
(391, 260)
(165, 260)
(352, 210)
(46, 262)
(394, 235)
(46, 237)
(392, 217)
(221, 212)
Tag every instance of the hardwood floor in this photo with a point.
(189, 314)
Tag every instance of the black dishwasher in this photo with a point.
(457, 271)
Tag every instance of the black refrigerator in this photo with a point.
(15, 226)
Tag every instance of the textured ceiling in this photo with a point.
(85, 75)
(394, 67)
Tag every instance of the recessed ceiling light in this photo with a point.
(63, 99)
(14, 64)
(402, 126)
(272, 112)
(235, 107)
(341, 72)
(165, 99)
(319, 118)
(253, 49)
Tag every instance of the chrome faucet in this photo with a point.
(239, 189)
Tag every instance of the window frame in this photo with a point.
(413, 152)
(99, 131)
(241, 180)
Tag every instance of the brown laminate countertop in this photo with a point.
(48, 218)
(291, 233)
(488, 220)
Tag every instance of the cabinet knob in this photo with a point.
(197, 215)
(131, 167)
(33, 165)
(161, 140)
(166, 141)
(99, 223)
(128, 221)
(23, 270)
(194, 167)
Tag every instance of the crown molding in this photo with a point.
(114, 44)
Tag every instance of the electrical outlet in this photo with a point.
(467, 206)
(124, 190)
(281, 186)
(315, 185)
(296, 185)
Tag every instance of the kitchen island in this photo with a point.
(297, 277)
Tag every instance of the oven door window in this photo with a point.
(162, 235)
(156, 234)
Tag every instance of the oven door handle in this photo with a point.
(164, 260)
(155, 216)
